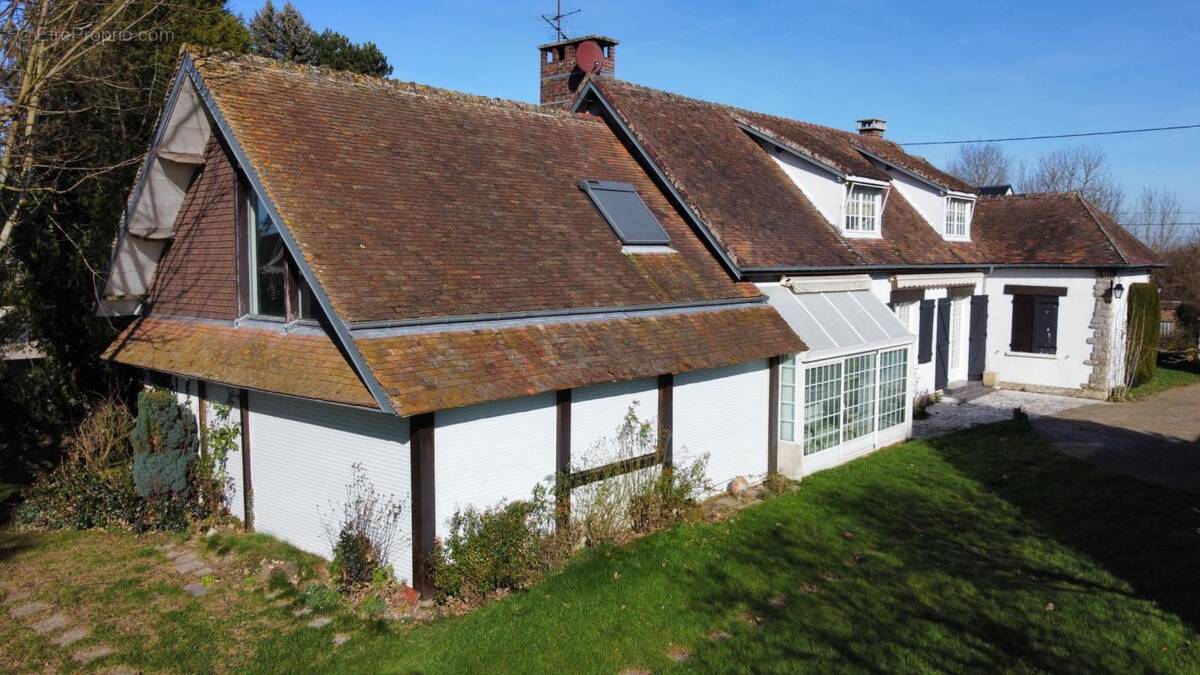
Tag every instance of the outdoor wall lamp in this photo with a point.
(1117, 290)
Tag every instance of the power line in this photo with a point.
(1050, 136)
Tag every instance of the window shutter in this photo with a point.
(1045, 324)
(925, 333)
(1022, 324)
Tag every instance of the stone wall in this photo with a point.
(1101, 340)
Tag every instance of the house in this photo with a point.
(464, 295)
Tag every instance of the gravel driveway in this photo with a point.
(994, 407)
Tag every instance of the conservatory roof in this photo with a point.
(837, 322)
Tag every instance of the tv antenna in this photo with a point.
(555, 21)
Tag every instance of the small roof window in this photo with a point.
(626, 213)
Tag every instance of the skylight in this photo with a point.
(626, 213)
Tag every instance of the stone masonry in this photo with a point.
(1101, 340)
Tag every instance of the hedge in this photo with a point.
(1143, 332)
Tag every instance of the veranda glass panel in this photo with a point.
(787, 399)
(822, 407)
(893, 385)
(859, 397)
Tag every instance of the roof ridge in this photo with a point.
(731, 107)
(223, 59)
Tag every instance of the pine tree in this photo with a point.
(337, 51)
(282, 34)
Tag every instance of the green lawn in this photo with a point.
(979, 551)
(1168, 377)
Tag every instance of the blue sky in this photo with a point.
(934, 71)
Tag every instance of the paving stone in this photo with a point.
(320, 622)
(340, 639)
(303, 611)
(51, 623)
(92, 653)
(196, 589)
(187, 565)
(996, 406)
(203, 571)
(28, 609)
(72, 636)
(283, 602)
(274, 594)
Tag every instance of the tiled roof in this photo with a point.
(764, 222)
(1055, 229)
(411, 202)
(427, 371)
(305, 365)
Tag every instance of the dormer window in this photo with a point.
(272, 287)
(958, 218)
(864, 205)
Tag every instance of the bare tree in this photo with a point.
(1157, 220)
(981, 164)
(1080, 169)
(43, 41)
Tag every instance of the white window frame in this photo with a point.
(951, 224)
(863, 226)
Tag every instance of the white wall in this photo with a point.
(1066, 368)
(928, 201)
(302, 454)
(1119, 326)
(221, 395)
(492, 452)
(598, 411)
(820, 186)
(723, 411)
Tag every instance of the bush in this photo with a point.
(165, 445)
(1141, 350)
(487, 551)
(93, 486)
(321, 598)
(362, 536)
(373, 607)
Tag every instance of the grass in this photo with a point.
(978, 551)
(1168, 376)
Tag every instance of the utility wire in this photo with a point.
(1040, 138)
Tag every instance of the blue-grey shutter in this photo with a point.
(1045, 324)
(925, 333)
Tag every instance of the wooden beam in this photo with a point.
(562, 463)
(773, 417)
(247, 483)
(612, 469)
(424, 522)
(666, 418)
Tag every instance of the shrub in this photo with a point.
(362, 535)
(321, 598)
(373, 607)
(165, 445)
(211, 477)
(1142, 334)
(486, 551)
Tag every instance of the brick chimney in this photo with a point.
(872, 126)
(561, 77)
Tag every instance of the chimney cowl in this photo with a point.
(872, 126)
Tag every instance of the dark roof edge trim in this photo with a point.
(1103, 230)
(908, 172)
(559, 314)
(629, 137)
(340, 327)
(950, 266)
(787, 147)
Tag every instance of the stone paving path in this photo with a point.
(56, 626)
(997, 406)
